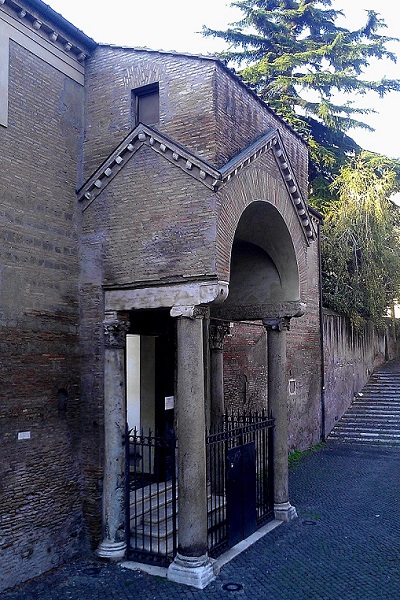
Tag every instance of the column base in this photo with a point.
(111, 550)
(285, 511)
(196, 571)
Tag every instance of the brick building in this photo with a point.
(153, 214)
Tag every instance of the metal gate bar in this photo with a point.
(234, 431)
(151, 497)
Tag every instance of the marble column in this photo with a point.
(218, 330)
(277, 400)
(191, 565)
(113, 545)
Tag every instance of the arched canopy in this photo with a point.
(264, 276)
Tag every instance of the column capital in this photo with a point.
(115, 330)
(218, 331)
(190, 311)
(276, 323)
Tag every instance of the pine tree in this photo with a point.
(296, 57)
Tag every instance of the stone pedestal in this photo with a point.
(277, 398)
(113, 545)
(284, 511)
(195, 571)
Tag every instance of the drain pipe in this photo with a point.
(320, 220)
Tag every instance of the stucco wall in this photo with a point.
(350, 356)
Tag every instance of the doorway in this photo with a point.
(150, 368)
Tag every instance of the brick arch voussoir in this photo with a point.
(236, 196)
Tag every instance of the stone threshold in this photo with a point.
(219, 562)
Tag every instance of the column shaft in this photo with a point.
(277, 399)
(113, 544)
(191, 565)
(278, 406)
(217, 332)
(191, 438)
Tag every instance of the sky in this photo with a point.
(176, 25)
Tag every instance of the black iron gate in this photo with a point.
(241, 492)
(240, 479)
(151, 497)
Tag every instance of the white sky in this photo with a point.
(172, 25)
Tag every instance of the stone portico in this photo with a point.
(169, 228)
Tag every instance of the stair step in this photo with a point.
(365, 433)
(152, 545)
(365, 441)
(374, 415)
(143, 500)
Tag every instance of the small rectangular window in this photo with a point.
(146, 105)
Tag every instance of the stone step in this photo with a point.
(377, 400)
(143, 502)
(156, 536)
(373, 411)
(366, 441)
(165, 512)
(366, 433)
(156, 531)
(378, 397)
(374, 415)
(362, 421)
(376, 432)
(152, 545)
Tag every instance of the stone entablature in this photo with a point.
(47, 29)
(49, 40)
(197, 168)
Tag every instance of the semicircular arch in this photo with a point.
(265, 246)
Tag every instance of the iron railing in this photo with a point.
(152, 487)
(151, 497)
(235, 431)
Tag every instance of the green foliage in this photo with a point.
(297, 455)
(296, 58)
(360, 241)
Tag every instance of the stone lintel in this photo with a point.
(259, 312)
(188, 294)
(190, 312)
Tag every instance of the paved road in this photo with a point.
(344, 545)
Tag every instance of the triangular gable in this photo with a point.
(198, 168)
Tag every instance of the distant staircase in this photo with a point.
(374, 416)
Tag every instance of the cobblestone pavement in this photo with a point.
(344, 545)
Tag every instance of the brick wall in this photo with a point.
(154, 222)
(199, 103)
(41, 517)
(245, 373)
